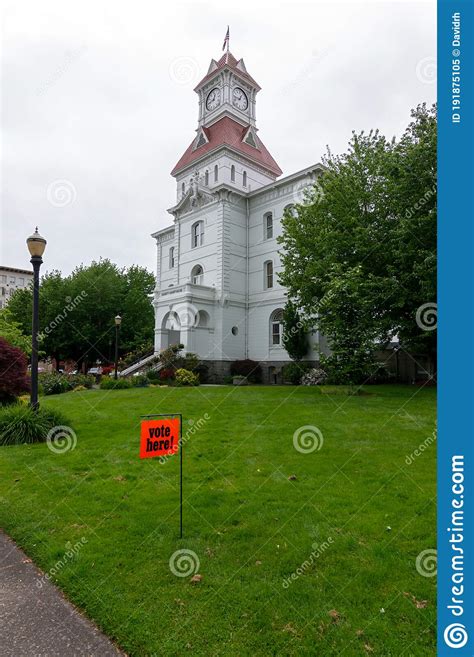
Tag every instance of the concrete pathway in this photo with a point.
(37, 621)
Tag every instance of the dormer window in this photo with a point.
(250, 139)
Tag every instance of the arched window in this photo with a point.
(183, 189)
(206, 178)
(268, 226)
(268, 274)
(203, 319)
(244, 179)
(197, 275)
(276, 327)
(197, 234)
(290, 209)
(171, 257)
(232, 173)
(216, 173)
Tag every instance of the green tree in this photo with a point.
(359, 257)
(295, 337)
(77, 312)
(12, 331)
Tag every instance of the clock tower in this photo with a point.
(227, 148)
(227, 90)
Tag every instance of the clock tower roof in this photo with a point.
(227, 61)
(227, 132)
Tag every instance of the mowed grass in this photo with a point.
(249, 524)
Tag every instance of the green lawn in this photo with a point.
(249, 524)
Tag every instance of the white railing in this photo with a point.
(135, 367)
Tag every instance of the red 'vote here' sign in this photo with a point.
(159, 438)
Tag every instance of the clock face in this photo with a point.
(239, 99)
(213, 99)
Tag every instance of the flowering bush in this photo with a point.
(293, 372)
(186, 378)
(314, 377)
(52, 383)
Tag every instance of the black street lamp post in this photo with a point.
(118, 321)
(36, 246)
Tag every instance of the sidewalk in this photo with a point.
(40, 622)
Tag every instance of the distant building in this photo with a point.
(12, 279)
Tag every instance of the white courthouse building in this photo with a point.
(217, 289)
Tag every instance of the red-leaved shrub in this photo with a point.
(14, 379)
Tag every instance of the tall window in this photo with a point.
(276, 327)
(232, 173)
(268, 271)
(206, 178)
(197, 234)
(244, 179)
(171, 260)
(183, 189)
(197, 275)
(216, 173)
(268, 225)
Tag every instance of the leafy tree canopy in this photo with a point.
(359, 257)
(77, 311)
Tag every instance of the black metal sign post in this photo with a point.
(180, 443)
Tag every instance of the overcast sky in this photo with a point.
(98, 104)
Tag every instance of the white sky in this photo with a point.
(100, 95)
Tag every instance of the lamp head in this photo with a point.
(36, 244)
(118, 320)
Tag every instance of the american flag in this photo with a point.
(226, 40)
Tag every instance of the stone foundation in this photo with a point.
(219, 370)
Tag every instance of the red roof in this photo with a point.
(227, 132)
(231, 62)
